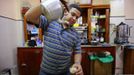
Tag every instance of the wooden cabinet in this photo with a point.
(100, 17)
(128, 65)
(97, 17)
(86, 63)
(29, 60)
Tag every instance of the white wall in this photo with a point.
(129, 10)
(29, 3)
(10, 8)
(11, 32)
(117, 15)
(129, 19)
(11, 36)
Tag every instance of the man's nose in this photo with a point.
(74, 17)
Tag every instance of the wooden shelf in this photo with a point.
(101, 6)
(94, 6)
(85, 6)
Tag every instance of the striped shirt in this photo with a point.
(59, 43)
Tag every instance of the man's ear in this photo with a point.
(65, 13)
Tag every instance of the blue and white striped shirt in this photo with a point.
(59, 43)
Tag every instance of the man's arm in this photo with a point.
(33, 14)
(77, 58)
(77, 64)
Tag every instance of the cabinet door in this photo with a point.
(111, 49)
(128, 66)
(85, 61)
(100, 24)
(29, 60)
(97, 17)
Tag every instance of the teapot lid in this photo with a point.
(122, 23)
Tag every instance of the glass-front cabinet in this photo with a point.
(95, 24)
(99, 24)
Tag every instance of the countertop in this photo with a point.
(104, 45)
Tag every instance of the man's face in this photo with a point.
(71, 17)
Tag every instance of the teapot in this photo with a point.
(122, 34)
(53, 9)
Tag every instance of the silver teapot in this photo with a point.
(52, 9)
(122, 34)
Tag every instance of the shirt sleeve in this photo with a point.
(43, 22)
(78, 45)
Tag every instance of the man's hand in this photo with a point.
(79, 69)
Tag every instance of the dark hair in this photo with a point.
(65, 4)
(75, 6)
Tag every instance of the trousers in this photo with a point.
(42, 72)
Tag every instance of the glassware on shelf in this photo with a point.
(97, 27)
(97, 37)
(101, 38)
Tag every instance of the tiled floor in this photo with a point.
(119, 60)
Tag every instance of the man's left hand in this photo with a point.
(79, 69)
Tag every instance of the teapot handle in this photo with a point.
(129, 29)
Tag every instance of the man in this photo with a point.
(60, 41)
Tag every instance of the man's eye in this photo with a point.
(73, 14)
(77, 17)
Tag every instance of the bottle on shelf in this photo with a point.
(97, 27)
(101, 38)
(97, 37)
(96, 15)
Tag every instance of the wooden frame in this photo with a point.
(26, 5)
(40, 35)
